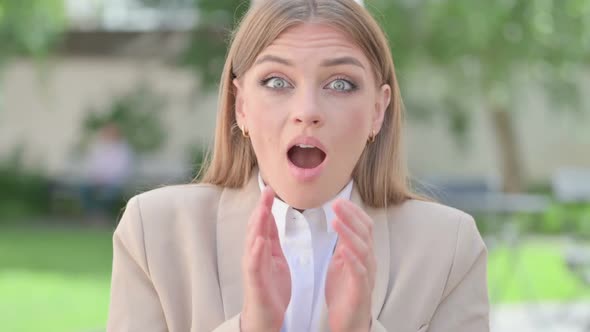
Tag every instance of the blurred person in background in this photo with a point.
(107, 169)
(303, 219)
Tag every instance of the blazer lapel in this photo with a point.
(235, 207)
(382, 255)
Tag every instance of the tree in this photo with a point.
(142, 106)
(482, 49)
(30, 27)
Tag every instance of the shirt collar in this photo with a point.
(280, 208)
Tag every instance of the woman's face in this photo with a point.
(310, 101)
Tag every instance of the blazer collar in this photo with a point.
(234, 209)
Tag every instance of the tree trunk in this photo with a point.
(511, 165)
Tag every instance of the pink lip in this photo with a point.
(306, 174)
(309, 140)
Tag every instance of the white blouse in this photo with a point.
(308, 241)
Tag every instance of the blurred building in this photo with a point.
(112, 46)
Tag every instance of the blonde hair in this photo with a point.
(380, 175)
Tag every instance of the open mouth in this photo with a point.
(306, 156)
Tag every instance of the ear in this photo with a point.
(381, 105)
(239, 100)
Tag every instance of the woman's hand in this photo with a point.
(267, 280)
(351, 273)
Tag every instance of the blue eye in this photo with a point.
(276, 83)
(341, 85)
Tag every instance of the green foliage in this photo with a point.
(210, 39)
(573, 219)
(137, 114)
(30, 27)
(483, 48)
(480, 54)
(535, 271)
(558, 219)
(479, 47)
(24, 191)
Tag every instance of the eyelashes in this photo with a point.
(276, 82)
(338, 84)
(343, 85)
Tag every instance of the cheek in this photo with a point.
(355, 121)
(267, 113)
(264, 124)
(257, 113)
(352, 127)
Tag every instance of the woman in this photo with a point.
(310, 107)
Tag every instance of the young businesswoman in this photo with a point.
(303, 219)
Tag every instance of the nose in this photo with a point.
(307, 110)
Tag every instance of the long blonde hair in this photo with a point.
(380, 175)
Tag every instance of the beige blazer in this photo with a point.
(177, 255)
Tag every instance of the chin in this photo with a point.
(303, 199)
(302, 203)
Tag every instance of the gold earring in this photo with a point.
(371, 137)
(245, 132)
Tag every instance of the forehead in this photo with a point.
(313, 38)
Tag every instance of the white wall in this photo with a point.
(44, 111)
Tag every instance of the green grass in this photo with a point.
(54, 280)
(51, 302)
(536, 272)
(58, 279)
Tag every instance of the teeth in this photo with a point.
(305, 146)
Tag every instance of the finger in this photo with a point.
(352, 241)
(266, 197)
(362, 215)
(266, 202)
(273, 235)
(254, 262)
(344, 212)
(275, 241)
(257, 225)
(357, 269)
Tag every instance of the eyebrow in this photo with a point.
(274, 58)
(345, 60)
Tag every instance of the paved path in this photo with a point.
(573, 317)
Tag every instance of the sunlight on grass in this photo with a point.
(54, 279)
(50, 302)
(533, 273)
(57, 280)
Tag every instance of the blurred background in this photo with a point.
(103, 99)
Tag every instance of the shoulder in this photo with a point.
(170, 208)
(161, 223)
(436, 230)
(170, 199)
(425, 216)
